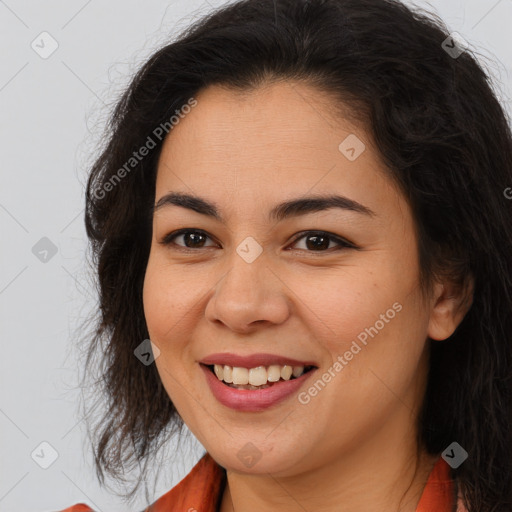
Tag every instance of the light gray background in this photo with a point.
(52, 114)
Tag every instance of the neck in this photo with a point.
(368, 479)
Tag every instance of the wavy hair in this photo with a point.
(446, 140)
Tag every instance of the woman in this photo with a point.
(303, 205)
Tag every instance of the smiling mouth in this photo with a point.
(261, 377)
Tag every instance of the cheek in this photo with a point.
(165, 312)
(340, 305)
(169, 297)
(155, 302)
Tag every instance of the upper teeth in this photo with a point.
(256, 376)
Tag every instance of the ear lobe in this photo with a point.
(450, 305)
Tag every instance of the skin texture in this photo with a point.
(352, 447)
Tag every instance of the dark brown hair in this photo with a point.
(447, 142)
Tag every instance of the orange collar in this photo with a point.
(438, 494)
(202, 489)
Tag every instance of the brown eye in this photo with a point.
(192, 239)
(319, 241)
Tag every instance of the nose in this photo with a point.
(249, 295)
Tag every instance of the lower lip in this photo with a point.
(253, 399)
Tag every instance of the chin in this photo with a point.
(249, 459)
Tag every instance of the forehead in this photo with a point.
(269, 143)
(277, 116)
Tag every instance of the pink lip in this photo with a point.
(253, 360)
(253, 400)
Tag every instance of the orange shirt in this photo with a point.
(201, 491)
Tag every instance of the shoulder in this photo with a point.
(201, 489)
(460, 504)
(439, 493)
(79, 507)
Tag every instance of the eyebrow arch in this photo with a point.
(281, 211)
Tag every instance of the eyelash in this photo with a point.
(342, 244)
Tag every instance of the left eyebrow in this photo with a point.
(284, 210)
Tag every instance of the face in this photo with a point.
(332, 285)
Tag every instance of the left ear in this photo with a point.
(450, 303)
